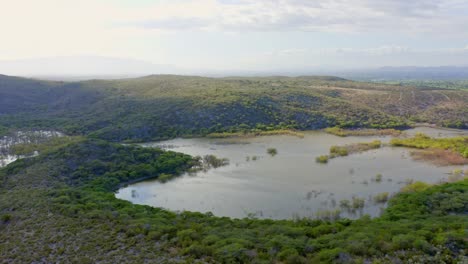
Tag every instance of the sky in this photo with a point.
(240, 34)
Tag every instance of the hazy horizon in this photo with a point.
(226, 37)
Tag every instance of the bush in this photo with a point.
(403, 241)
(381, 197)
(338, 151)
(378, 177)
(164, 177)
(6, 218)
(286, 253)
(272, 151)
(322, 159)
(358, 203)
(415, 187)
(330, 255)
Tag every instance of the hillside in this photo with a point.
(162, 106)
(59, 207)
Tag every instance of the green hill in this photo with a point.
(161, 106)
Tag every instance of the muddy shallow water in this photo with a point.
(289, 184)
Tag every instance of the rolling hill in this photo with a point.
(163, 106)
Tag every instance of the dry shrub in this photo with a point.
(439, 157)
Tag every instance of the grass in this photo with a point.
(256, 133)
(272, 151)
(381, 197)
(322, 159)
(337, 131)
(341, 151)
(441, 151)
(47, 145)
(415, 187)
(378, 178)
(440, 157)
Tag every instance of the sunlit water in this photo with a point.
(290, 184)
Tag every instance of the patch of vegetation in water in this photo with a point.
(341, 132)
(442, 151)
(381, 197)
(64, 197)
(322, 159)
(378, 178)
(457, 175)
(341, 151)
(256, 132)
(211, 161)
(272, 151)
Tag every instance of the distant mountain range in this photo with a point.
(82, 67)
(95, 67)
(408, 73)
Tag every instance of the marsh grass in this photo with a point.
(272, 151)
(439, 151)
(322, 159)
(341, 151)
(256, 133)
(378, 178)
(381, 197)
(362, 132)
(439, 157)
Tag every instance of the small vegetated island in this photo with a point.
(60, 206)
(440, 151)
(340, 151)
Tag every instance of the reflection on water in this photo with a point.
(289, 184)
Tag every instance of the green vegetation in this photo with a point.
(442, 151)
(3, 130)
(381, 197)
(337, 131)
(272, 151)
(211, 161)
(422, 141)
(45, 145)
(322, 159)
(378, 178)
(457, 175)
(337, 151)
(341, 151)
(256, 132)
(415, 187)
(59, 207)
(165, 106)
(432, 84)
(357, 203)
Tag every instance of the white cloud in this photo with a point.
(31, 28)
(418, 16)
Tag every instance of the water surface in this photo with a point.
(290, 184)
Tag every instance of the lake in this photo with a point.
(290, 184)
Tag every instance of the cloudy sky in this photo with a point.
(240, 34)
